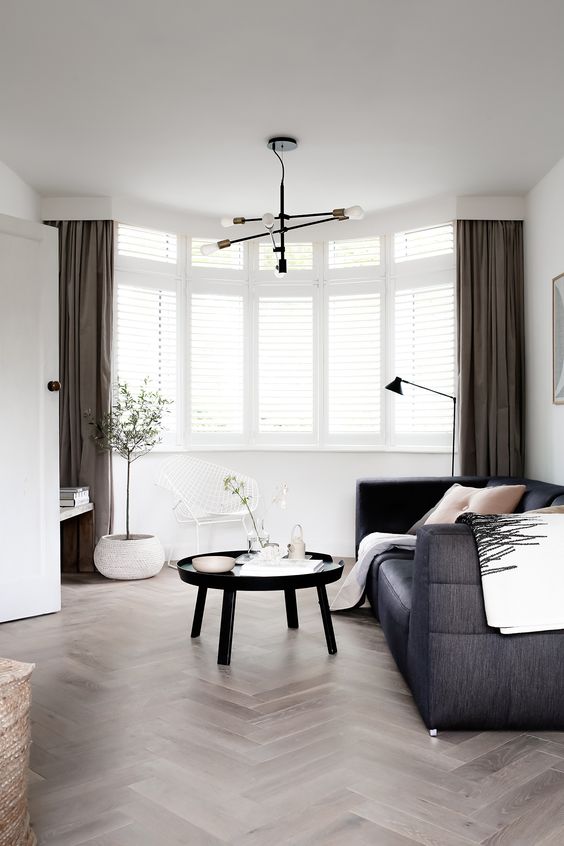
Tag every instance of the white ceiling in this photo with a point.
(171, 101)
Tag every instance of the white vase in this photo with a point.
(139, 557)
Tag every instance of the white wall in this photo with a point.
(17, 199)
(321, 494)
(544, 259)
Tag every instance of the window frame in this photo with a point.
(408, 275)
(221, 287)
(280, 288)
(134, 272)
(320, 281)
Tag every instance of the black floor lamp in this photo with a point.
(395, 386)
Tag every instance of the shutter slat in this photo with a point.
(354, 363)
(424, 243)
(354, 252)
(148, 244)
(285, 363)
(146, 341)
(217, 363)
(424, 341)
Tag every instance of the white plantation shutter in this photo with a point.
(285, 363)
(146, 340)
(298, 256)
(356, 252)
(147, 244)
(353, 363)
(424, 243)
(424, 352)
(217, 363)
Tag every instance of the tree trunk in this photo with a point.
(127, 501)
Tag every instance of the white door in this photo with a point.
(29, 420)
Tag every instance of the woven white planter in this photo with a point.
(140, 557)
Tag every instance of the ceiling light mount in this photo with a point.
(280, 144)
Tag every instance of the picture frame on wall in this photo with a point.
(558, 340)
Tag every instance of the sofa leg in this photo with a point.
(433, 732)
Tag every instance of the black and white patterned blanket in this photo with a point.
(522, 569)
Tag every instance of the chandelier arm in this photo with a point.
(313, 214)
(253, 237)
(313, 223)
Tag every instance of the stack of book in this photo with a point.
(70, 497)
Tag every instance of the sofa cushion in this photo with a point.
(374, 571)
(537, 495)
(395, 581)
(501, 499)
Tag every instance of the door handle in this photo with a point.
(54, 385)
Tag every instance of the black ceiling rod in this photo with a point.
(281, 267)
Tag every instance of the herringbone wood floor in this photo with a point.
(140, 739)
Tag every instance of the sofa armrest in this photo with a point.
(462, 672)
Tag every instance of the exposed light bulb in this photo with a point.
(208, 249)
(279, 275)
(226, 222)
(268, 220)
(354, 213)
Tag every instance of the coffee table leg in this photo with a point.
(226, 628)
(291, 608)
(327, 621)
(199, 612)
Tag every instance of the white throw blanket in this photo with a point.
(370, 546)
(522, 569)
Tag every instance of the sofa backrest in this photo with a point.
(394, 505)
(538, 494)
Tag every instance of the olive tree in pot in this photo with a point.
(131, 428)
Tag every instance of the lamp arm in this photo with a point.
(264, 234)
(302, 226)
(312, 223)
(431, 390)
(312, 214)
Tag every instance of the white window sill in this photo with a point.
(358, 448)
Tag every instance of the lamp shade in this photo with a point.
(395, 386)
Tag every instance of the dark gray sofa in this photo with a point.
(462, 673)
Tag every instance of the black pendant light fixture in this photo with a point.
(280, 145)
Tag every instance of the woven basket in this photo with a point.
(15, 739)
(140, 557)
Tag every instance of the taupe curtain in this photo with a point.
(85, 337)
(490, 283)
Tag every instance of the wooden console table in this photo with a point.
(77, 538)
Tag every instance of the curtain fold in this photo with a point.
(86, 281)
(490, 303)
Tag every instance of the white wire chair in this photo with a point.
(200, 496)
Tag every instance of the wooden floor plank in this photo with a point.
(141, 738)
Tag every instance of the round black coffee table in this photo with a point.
(236, 580)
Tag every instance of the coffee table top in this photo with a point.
(236, 580)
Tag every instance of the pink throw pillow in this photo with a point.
(501, 499)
